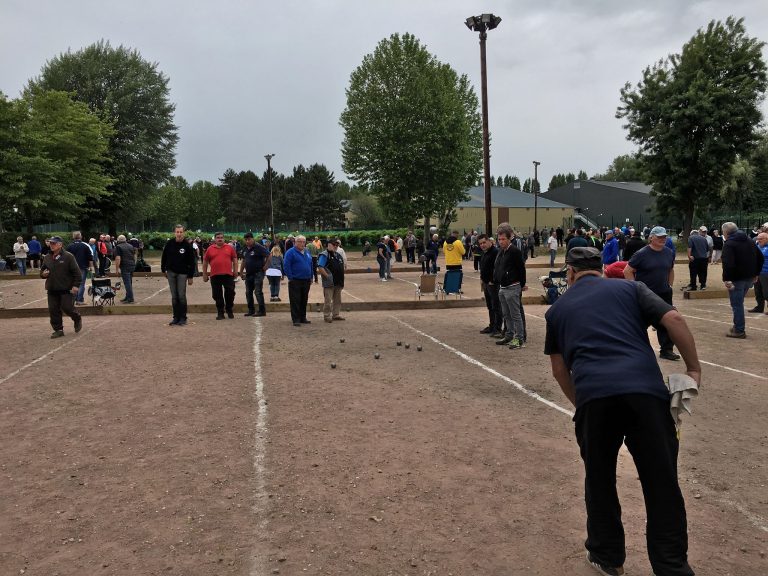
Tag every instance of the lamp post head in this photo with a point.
(269, 157)
(482, 23)
(536, 163)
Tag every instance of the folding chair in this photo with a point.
(451, 284)
(426, 286)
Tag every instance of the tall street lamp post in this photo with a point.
(482, 24)
(271, 204)
(535, 186)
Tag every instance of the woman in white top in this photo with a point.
(20, 251)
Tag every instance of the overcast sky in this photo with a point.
(254, 77)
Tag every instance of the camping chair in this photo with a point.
(426, 286)
(451, 284)
(102, 292)
(558, 279)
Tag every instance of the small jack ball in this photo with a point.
(377, 355)
(407, 346)
(418, 348)
(399, 343)
(341, 340)
(333, 364)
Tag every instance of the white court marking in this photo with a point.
(28, 303)
(724, 314)
(5, 379)
(490, 370)
(348, 293)
(721, 322)
(259, 442)
(155, 294)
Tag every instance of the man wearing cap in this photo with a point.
(252, 268)
(654, 266)
(62, 281)
(742, 264)
(621, 401)
(698, 258)
(610, 249)
(330, 266)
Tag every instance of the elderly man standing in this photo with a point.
(62, 281)
(297, 266)
(253, 268)
(742, 264)
(698, 259)
(20, 251)
(490, 289)
(613, 380)
(84, 256)
(125, 262)
(330, 265)
(654, 266)
(761, 286)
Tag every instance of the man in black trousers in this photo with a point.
(490, 289)
(611, 376)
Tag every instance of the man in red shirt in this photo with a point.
(222, 259)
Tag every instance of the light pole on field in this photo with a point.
(482, 24)
(535, 186)
(271, 204)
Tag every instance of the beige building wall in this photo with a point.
(520, 218)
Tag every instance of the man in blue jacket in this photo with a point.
(297, 266)
(610, 249)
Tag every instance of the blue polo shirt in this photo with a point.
(600, 327)
(254, 258)
(82, 253)
(652, 268)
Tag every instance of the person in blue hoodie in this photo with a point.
(742, 264)
(297, 267)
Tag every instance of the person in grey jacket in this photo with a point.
(62, 281)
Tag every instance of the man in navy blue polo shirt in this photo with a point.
(252, 268)
(604, 363)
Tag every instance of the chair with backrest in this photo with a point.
(451, 283)
(426, 286)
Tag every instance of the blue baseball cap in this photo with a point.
(658, 231)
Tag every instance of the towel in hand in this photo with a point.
(682, 390)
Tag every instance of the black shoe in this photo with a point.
(297, 323)
(756, 309)
(173, 322)
(496, 335)
(305, 321)
(277, 299)
(78, 324)
(603, 569)
(230, 315)
(57, 334)
(703, 287)
(261, 313)
(182, 322)
(219, 316)
(486, 330)
(250, 314)
(505, 340)
(669, 355)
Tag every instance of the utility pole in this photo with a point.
(271, 203)
(535, 187)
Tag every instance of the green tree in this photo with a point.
(366, 213)
(412, 131)
(514, 182)
(582, 175)
(202, 204)
(759, 163)
(527, 186)
(132, 95)
(168, 204)
(624, 168)
(695, 113)
(52, 152)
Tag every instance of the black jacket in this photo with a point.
(742, 259)
(64, 274)
(509, 267)
(178, 257)
(487, 263)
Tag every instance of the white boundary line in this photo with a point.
(28, 303)
(155, 294)
(724, 314)
(720, 322)
(488, 369)
(259, 443)
(5, 379)
(733, 369)
(348, 293)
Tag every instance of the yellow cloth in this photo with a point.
(453, 252)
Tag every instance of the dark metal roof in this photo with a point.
(504, 197)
